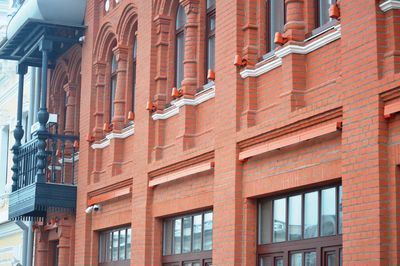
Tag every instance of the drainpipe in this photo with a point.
(25, 230)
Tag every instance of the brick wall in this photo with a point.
(350, 79)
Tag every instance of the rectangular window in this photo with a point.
(187, 240)
(291, 223)
(275, 20)
(115, 245)
(279, 220)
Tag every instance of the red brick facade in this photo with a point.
(319, 111)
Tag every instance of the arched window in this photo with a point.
(210, 35)
(113, 85)
(180, 45)
(134, 72)
(275, 20)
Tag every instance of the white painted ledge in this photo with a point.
(201, 97)
(126, 132)
(390, 5)
(292, 49)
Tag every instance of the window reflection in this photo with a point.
(295, 210)
(279, 220)
(311, 214)
(328, 212)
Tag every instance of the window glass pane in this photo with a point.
(211, 53)
(276, 19)
(109, 246)
(115, 246)
(187, 234)
(211, 23)
(296, 259)
(340, 257)
(112, 95)
(208, 222)
(264, 223)
(324, 11)
(128, 243)
(330, 259)
(197, 229)
(180, 53)
(180, 17)
(122, 239)
(310, 259)
(210, 3)
(295, 210)
(134, 49)
(328, 212)
(114, 64)
(266, 261)
(311, 214)
(167, 241)
(177, 236)
(279, 262)
(279, 220)
(340, 210)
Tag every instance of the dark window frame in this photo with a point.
(113, 86)
(210, 34)
(319, 26)
(134, 60)
(179, 33)
(104, 244)
(204, 257)
(270, 31)
(284, 249)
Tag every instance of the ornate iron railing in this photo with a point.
(61, 151)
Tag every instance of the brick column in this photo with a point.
(186, 123)
(70, 90)
(163, 35)
(121, 54)
(295, 24)
(189, 82)
(366, 214)
(142, 235)
(228, 202)
(99, 69)
(64, 243)
(42, 248)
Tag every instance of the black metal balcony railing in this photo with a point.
(60, 153)
(32, 198)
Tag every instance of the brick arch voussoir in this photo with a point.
(127, 25)
(104, 42)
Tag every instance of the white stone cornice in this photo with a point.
(292, 49)
(277, 62)
(389, 5)
(126, 132)
(174, 109)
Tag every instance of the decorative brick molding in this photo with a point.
(389, 5)
(174, 109)
(292, 49)
(297, 138)
(126, 132)
(181, 173)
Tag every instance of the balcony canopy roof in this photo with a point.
(60, 21)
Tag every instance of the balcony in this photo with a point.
(32, 198)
